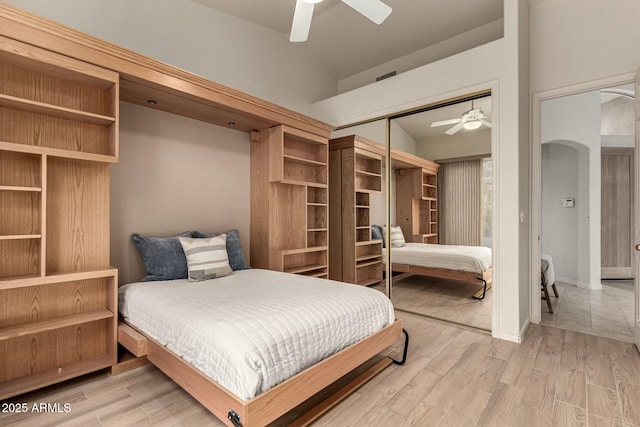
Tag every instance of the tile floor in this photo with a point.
(607, 313)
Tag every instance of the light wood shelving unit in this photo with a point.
(59, 135)
(417, 204)
(354, 174)
(289, 201)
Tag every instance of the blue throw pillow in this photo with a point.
(376, 233)
(163, 257)
(234, 250)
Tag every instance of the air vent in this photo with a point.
(386, 76)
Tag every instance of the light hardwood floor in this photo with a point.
(454, 377)
(607, 313)
(443, 299)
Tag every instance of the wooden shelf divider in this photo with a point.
(56, 152)
(54, 110)
(55, 323)
(32, 382)
(20, 237)
(25, 189)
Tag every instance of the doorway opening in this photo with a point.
(586, 171)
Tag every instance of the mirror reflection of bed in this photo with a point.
(450, 214)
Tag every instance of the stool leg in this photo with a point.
(555, 290)
(546, 297)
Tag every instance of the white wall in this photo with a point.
(400, 139)
(468, 40)
(175, 174)
(560, 170)
(575, 119)
(462, 144)
(375, 131)
(496, 65)
(575, 41)
(220, 47)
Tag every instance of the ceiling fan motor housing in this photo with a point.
(473, 115)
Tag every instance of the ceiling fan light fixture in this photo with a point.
(471, 125)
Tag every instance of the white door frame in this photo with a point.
(635, 264)
(536, 175)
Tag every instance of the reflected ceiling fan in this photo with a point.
(472, 119)
(375, 10)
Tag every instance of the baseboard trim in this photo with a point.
(517, 338)
(566, 280)
(590, 287)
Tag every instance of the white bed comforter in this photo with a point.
(255, 328)
(475, 259)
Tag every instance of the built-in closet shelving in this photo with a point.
(289, 201)
(58, 137)
(355, 174)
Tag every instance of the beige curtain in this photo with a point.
(460, 202)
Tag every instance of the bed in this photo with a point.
(464, 263)
(253, 345)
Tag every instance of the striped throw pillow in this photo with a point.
(397, 238)
(206, 258)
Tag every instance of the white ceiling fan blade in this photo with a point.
(375, 10)
(301, 21)
(445, 122)
(455, 129)
(484, 122)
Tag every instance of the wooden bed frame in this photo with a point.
(486, 277)
(272, 404)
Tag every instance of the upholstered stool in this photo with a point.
(547, 275)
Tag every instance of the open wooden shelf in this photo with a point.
(26, 281)
(305, 268)
(57, 152)
(32, 382)
(21, 237)
(25, 189)
(369, 281)
(303, 161)
(51, 324)
(368, 263)
(54, 110)
(320, 275)
(307, 183)
(366, 173)
(368, 257)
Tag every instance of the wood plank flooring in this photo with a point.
(453, 377)
(449, 300)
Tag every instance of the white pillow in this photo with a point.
(206, 258)
(397, 238)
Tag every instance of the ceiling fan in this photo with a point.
(472, 119)
(375, 10)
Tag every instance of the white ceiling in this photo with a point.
(346, 43)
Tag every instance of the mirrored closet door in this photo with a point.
(440, 210)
